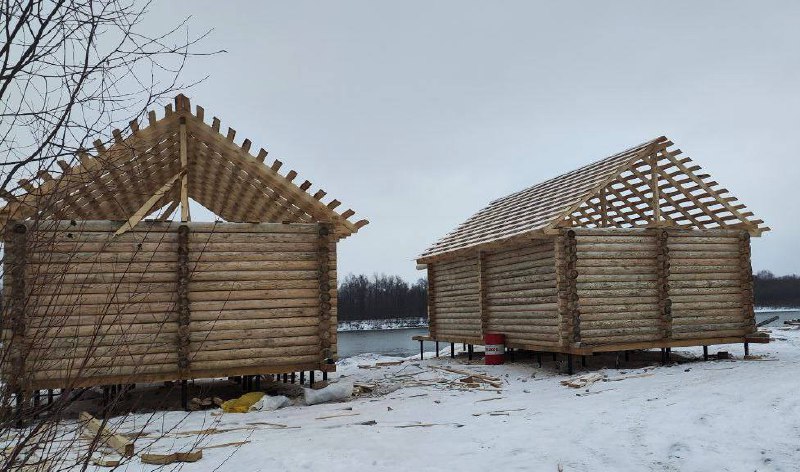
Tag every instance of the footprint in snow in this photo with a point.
(679, 451)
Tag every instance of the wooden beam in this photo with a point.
(145, 209)
(171, 208)
(185, 215)
(119, 443)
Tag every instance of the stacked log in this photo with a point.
(662, 282)
(521, 295)
(247, 298)
(262, 295)
(618, 286)
(432, 300)
(457, 298)
(746, 278)
(706, 284)
(98, 304)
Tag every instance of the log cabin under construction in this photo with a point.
(94, 294)
(635, 251)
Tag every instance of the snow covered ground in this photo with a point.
(737, 415)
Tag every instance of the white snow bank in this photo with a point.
(393, 323)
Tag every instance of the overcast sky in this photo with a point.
(417, 114)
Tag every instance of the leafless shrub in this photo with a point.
(70, 72)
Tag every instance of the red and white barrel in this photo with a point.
(494, 345)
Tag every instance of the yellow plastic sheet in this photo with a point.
(243, 403)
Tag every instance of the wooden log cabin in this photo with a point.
(636, 251)
(95, 294)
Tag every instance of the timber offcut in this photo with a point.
(638, 250)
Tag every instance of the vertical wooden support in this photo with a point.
(185, 215)
(566, 279)
(654, 177)
(184, 316)
(16, 258)
(431, 300)
(482, 289)
(662, 283)
(604, 221)
(561, 289)
(746, 283)
(324, 277)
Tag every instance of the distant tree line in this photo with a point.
(380, 297)
(770, 290)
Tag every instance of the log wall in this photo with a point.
(640, 285)
(228, 299)
(456, 299)
(521, 294)
(710, 284)
(617, 286)
(597, 288)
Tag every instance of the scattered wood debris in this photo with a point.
(378, 365)
(582, 381)
(118, 442)
(172, 457)
(230, 444)
(106, 461)
(498, 412)
(205, 403)
(336, 416)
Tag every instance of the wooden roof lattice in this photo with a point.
(648, 185)
(176, 157)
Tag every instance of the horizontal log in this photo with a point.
(522, 301)
(678, 306)
(253, 304)
(644, 250)
(616, 285)
(254, 314)
(258, 333)
(532, 317)
(125, 372)
(199, 238)
(701, 332)
(622, 316)
(678, 271)
(236, 363)
(709, 291)
(642, 299)
(520, 266)
(276, 294)
(678, 298)
(649, 306)
(530, 281)
(204, 357)
(588, 239)
(702, 283)
(442, 318)
(731, 247)
(676, 314)
(273, 342)
(200, 327)
(45, 322)
(738, 320)
(590, 294)
(589, 325)
(81, 268)
(604, 340)
(496, 293)
(118, 298)
(647, 332)
(536, 307)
